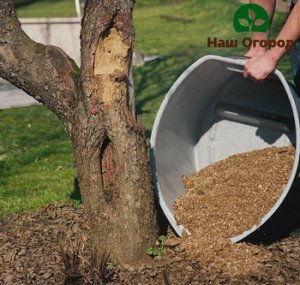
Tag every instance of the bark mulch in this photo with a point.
(227, 198)
(31, 242)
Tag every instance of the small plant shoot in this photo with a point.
(158, 250)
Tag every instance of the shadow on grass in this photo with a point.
(22, 3)
(4, 169)
(160, 76)
(75, 195)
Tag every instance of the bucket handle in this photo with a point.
(248, 116)
(239, 57)
(234, 69)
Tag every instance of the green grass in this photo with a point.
(36, 164)
(48, 8)
(148, 3)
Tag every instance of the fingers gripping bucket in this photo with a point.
(212, 112)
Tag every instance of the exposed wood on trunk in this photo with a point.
(94, 104)
(125, 186)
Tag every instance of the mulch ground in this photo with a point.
(31, 242)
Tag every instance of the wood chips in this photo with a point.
(227, 198)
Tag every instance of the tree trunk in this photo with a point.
(94, 105)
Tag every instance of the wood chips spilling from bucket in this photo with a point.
(227, 198)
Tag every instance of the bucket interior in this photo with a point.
(211, 113)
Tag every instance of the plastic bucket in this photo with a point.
(212, 112)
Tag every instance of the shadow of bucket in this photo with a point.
(212, 112)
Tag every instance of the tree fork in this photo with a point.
(93, 103)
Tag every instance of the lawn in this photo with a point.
(36, 163)
(47, 8)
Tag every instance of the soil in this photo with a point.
(31, 246)
(227, 198)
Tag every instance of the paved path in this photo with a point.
(12, 97)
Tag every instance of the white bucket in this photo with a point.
(212, 112)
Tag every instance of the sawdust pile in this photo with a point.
(225, 199)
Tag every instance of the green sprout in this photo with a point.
(157, 251)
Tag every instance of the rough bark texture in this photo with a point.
(44, 72)
(93, 103)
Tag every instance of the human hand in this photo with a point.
(260, 67)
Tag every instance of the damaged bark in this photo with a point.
(94, 105)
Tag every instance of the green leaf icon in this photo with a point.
(244, 22)
(251, 14)
(251, 18)
(259, 22)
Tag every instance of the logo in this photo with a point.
(251, 18)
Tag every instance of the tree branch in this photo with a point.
(44, 72)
